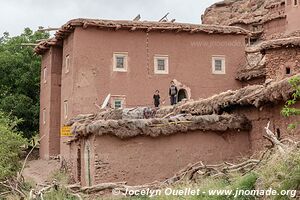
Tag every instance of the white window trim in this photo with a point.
(121, 98)
(295, 5)
(66, 109)
(67, 64)
(121, 54)
(45, 74)
(44, 116)
(223, 71)
(164, 57)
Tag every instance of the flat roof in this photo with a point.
(146, 26)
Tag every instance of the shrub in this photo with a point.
(10, 147)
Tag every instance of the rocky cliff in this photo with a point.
(229, 12)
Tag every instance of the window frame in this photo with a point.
(166, 62)
(45, 70)
(44, 116)
(67, 64)
(121, 98)
(295, 3)
(66, 109)
(223, 59)
(115, 56)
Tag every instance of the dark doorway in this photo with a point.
(182, 95)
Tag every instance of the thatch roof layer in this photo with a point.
(253, 95)
(155, 127)
(147, 26)
(275, 44)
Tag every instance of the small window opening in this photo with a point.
(295, 2)
(287, 70)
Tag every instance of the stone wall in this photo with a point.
(281, 61)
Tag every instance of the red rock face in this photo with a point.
(226, 12)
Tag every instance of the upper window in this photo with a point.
(120, 62)
(161, 64)
(296, 2)
(44, 116)
(218, 65)
(45, 75)
(66, 109)
(67, 64)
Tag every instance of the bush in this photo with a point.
(10, 147)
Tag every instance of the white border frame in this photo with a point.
(164, 57)
(66, 109)
(219, 57)
(67, 64)
(123, 54)
(45, 72)
(118, 97)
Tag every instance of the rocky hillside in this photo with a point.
(228, 12)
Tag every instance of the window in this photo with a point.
(44, 116)
(120, 62)
(161, 64)
(118, 101)
(287, 70)
(218, 65)
(45, 75)
(296, 2)
(66, 109)
(67, 64)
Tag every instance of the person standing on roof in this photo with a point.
(156, 99)
(173, 93)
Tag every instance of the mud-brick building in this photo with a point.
(89, 59)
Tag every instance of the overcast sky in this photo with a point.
(15, 15)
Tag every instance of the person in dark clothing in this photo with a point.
(173, 93)
(156, 99)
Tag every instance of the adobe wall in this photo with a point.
(260, 118)
(293, 16)
(274, 28)
(143, 160)
(190, 62)
(277, 60)
(67, 89)
(50, 101)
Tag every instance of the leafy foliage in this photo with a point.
(10, 147)
(19, 83)
(289, 109)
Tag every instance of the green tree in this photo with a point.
(289, 109)
(10, 147)
(20, 79)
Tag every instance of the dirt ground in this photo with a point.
(39, 171)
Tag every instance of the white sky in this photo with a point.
(15, 15)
